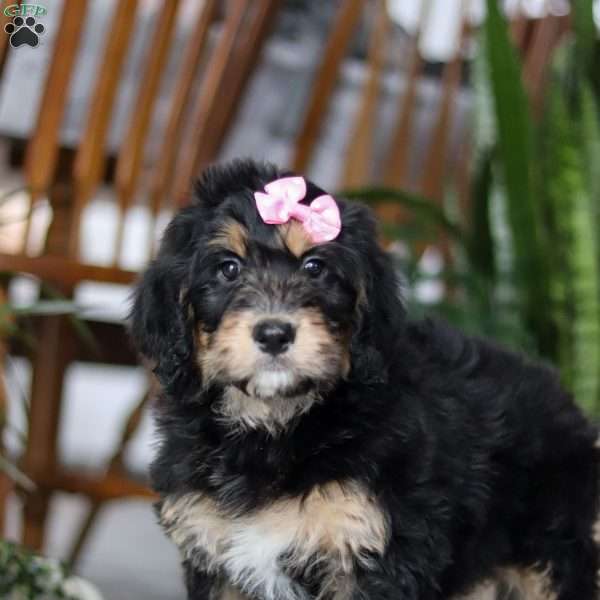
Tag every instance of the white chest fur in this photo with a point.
(328, 530)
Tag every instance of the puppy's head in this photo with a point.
(259, 312)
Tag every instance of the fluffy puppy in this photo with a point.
(316, 444)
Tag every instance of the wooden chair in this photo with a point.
(218, 57)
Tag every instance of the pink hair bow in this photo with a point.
(281, 202)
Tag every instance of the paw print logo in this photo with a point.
(24, 31)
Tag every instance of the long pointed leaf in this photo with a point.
(569, 121)
(586, 35)
(515, 145)
(419, 205)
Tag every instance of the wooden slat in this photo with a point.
(41, 156)
(463, 179)
(90, 159)
(4, 45)
(433, 177)
(346, 22)
(163, 170)
(210, 94)
(518, 30)
(51, 357)
(65, 270)
(112, 344)
(110, 487)
(247, 53)
(434, 173)
(545, 35)
(359, 154)
(131, 153)
(396, 169)
(42, 151)
(4, 38)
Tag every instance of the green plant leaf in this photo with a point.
(419, 205)
(569, 130)
(481, 250)
(586, 35)
(46, 307)
(78, 324)
(515, 153)
(13, 472)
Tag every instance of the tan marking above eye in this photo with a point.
(232, 236)
(294, 238)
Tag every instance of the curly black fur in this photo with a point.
(476, 456)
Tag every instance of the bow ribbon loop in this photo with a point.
(281, 202)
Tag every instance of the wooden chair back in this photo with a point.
(212, 68)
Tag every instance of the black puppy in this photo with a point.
(317, 445)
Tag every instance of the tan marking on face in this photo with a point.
(295, 238)
(315, 348)
(232, 236)
(340, 523)
(316, 353)
(230, 351)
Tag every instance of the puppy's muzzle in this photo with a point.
(274, 336)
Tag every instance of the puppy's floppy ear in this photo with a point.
(160, 322)
(381, 312)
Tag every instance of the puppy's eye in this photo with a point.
(230, 269)
(313, 267)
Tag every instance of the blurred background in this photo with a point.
(471, 126)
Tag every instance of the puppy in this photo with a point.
(316, 444)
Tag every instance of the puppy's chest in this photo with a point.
(264, 552)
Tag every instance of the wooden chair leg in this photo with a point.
(49, 365)
(115, 464)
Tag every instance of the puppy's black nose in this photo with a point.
(273, 336)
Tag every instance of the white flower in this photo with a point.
(81, 589)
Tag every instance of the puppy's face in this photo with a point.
(258, 312)
(274, 313)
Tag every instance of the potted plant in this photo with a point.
(23, 574)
